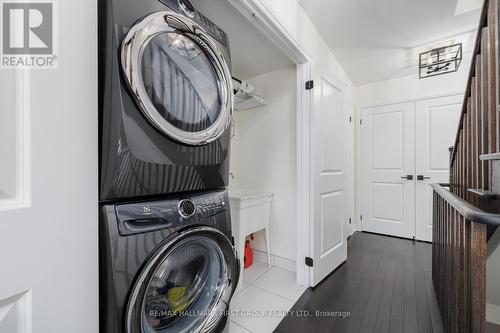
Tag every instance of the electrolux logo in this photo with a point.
(28, 34)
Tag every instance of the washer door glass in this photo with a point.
(186, 286)
(181, 82)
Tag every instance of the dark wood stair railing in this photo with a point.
(459, 260)
(466, 212)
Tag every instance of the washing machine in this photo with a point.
(166, 265)
(165, 99)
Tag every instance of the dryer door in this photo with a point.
(179, 77)
(185, 286)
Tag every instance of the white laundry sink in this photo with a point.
(250, 212)
(247, 198)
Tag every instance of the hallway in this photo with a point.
(385, 286)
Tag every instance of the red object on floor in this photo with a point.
(248, 258)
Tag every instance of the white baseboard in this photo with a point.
(493, 313)
(277, 261)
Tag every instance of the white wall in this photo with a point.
(493, 287)
(264, 156)
(295, 21)
(411, 87)
(49, 250)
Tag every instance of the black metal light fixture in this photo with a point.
(441, 60)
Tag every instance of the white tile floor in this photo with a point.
(262, 301)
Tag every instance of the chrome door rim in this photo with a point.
(131, 54)
(134, 305)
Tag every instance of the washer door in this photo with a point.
(179, 77)
(185, 286)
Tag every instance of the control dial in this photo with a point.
(187, 8)
(186, 208)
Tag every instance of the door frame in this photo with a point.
(264, 20)
(358, 112)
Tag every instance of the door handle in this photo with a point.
(407, 177)
(422, 177)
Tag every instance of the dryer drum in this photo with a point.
(179, 77)
(185, 285)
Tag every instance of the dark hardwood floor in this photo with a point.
(492, 328)
(385, 286)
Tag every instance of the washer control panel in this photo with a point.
(187, 208)
(148, 216)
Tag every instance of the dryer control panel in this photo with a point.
(149, 216)
(186, 8)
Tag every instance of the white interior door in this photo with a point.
(48, 185)
(328, 160)
(436, 122)
(387, 158)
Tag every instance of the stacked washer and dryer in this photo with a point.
(167, 262)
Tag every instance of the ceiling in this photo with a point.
(464, 6)
(376, 40)
(252, 53)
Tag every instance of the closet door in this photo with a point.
(328, 171)
(436, 123)
(387, 169)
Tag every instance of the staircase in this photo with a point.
(466, 212)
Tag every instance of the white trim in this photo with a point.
(358, 118)
(304, 109)
(357, 170)
(265, 21)
(351, 161)
(415, 99)
(285, 263)
(22, 304)
(22, 95)
(493, 313)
